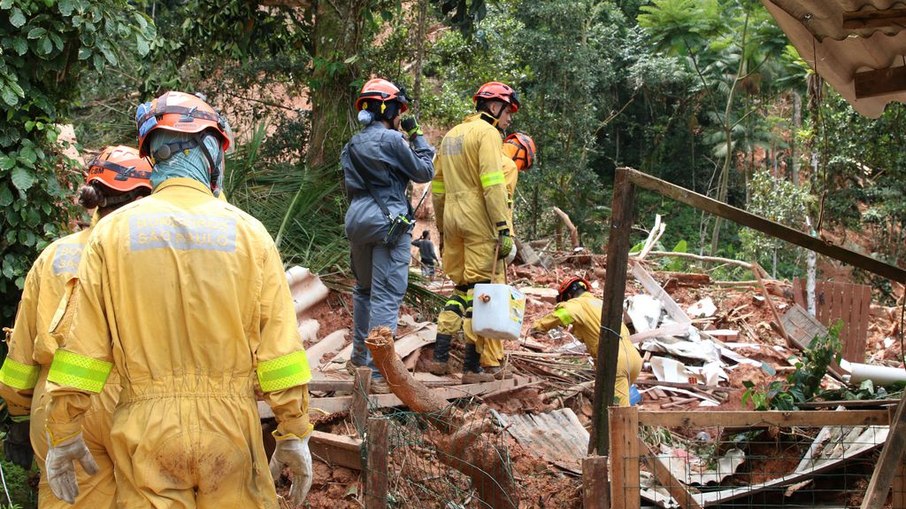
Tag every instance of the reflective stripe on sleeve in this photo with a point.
(284, 372)
(564, 316)
(79, 371)
(18, 375)
(437, 186)
(492, 179)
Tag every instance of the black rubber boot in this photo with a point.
(442, 347)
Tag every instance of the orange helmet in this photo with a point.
(382, 91)
(497, 91)
(179, 112)
(521, 149)
(120, 168)
(566, 287)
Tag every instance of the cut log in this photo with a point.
(461, 447)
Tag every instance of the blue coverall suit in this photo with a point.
(384, 157)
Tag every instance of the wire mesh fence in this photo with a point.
(466, 467)
(749, 459)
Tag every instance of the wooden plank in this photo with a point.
(654, 289)
(336, 449)
(347, 384)
(376, 481)
(625, 479)
(879, 82)
(344, 403)
(763, 225)
(665, 478)
(359, 407)
(673, 329)
(898, 491)
(888, 463)
(618, 245)
(759, 275)
(595, 494)
(816, 418)
(799, 292)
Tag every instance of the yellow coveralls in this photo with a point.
(451, 318)
(584, 314)
(31, 350)
(187, 297)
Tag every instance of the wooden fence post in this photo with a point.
(376, 485)
(612, 310)
(594, 482)
(625, 479)
(360, 389)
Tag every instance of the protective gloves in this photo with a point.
(411, 127)
(17, 446)
(293, 452)
(506, 246)
(59, 466)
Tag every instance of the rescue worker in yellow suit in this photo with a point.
(470, 206)
(191, 344)
(519, 155)
(115, 177)
(577, 307)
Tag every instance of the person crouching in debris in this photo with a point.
(378, 164)
(115, 177)
(426, 254)
(577, 307)
(186, 296)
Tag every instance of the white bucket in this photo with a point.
(497, 311)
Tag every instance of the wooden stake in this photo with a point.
(889, 462)
(625, 480)
(594, 482)
(612, 310)
(376, 479)
(359, 409)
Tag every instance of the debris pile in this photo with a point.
(704, 344)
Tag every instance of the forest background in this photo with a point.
(707, 94)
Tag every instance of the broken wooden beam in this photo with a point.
(879, 82)
(377, 480)
(741, 418)
(625, 480)
(763, 225)
(665, 478)
(359, 408)
(595, 494)
(891, 457)
(336, 449)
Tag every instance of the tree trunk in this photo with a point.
(337, 37)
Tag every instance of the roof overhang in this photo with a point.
(857, 46)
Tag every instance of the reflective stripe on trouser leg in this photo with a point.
(449, 322)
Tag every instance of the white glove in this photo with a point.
(293, 452)
(60, 470)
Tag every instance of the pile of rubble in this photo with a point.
(701, 339)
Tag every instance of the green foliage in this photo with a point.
(781, 201)
(46, 49)
(803, 383)
(18, 487)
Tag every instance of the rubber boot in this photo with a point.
(471, 370)
(440, 365)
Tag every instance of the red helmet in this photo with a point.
(521, 149)
(179, 112)
(381, 90)
(497, 91)
(121, 169)
(567, 285)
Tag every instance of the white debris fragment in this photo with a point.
(702, 309)
(644, 311)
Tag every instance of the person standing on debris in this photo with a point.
(472, 213)
(519, 152)
(115, 177)
(378, 164)
(579, 308)
(427, 255)
(186, 296)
